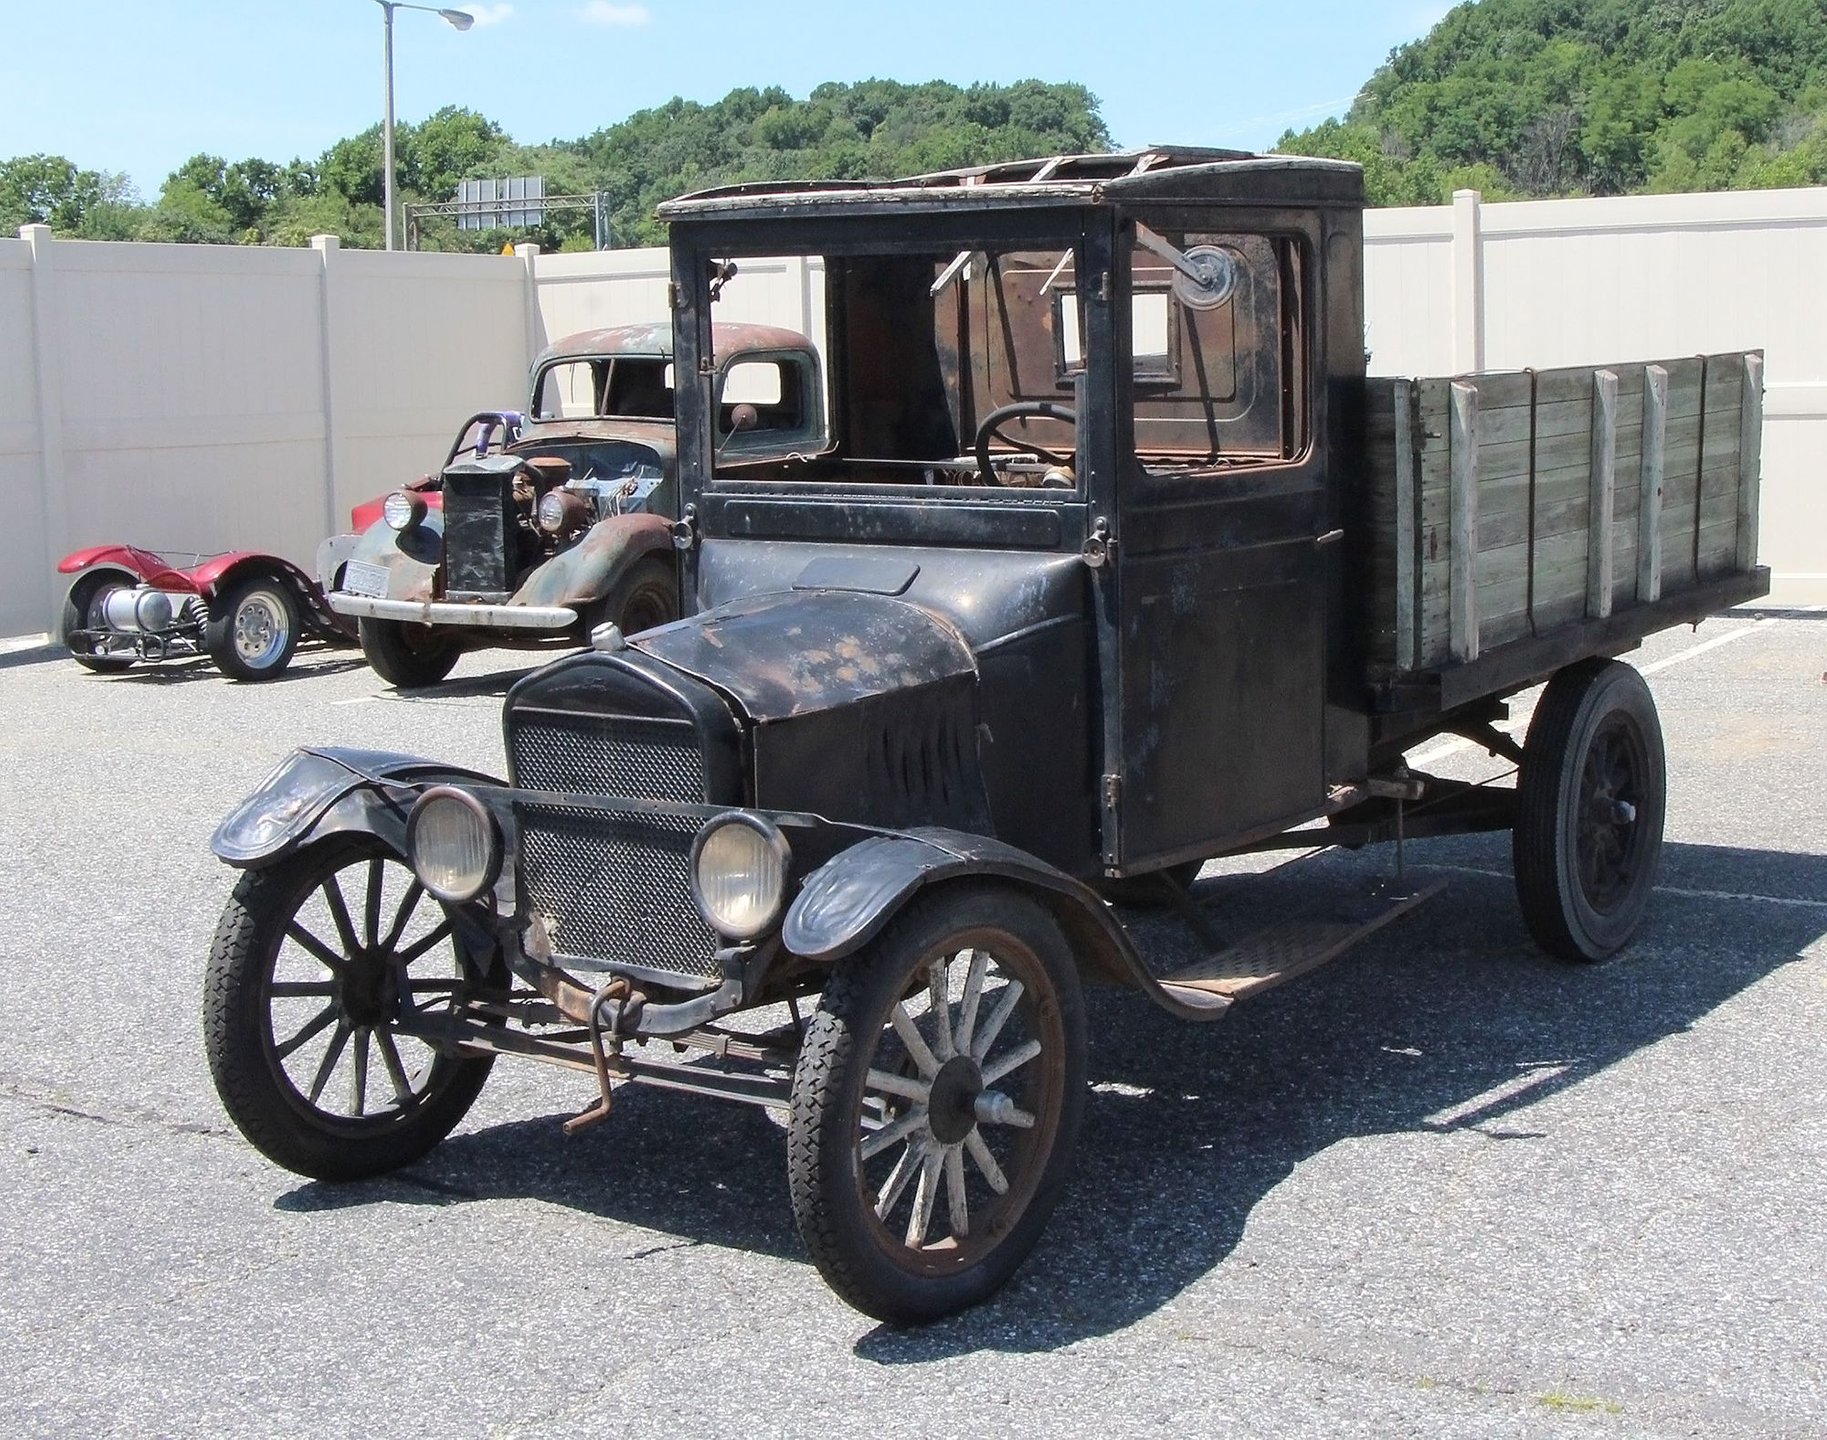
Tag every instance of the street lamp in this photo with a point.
(458, 19)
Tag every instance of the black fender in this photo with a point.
(847, 901)
(318, 793)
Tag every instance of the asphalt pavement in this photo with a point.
(1442, 1187)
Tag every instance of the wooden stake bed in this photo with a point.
(1506, 507)
(1293, 948)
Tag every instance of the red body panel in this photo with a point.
(203, 578)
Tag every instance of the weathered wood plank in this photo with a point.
(1750, 459)
(1463, 643)
(1649, 498)
(1604, 486)
(1407, 588)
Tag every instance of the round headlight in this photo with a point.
(561, 511)
(739, 874)
(453, 844)
(402, 509)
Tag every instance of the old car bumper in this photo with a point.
(455, 612)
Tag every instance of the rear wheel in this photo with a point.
(252, 628)
(1590, 804)
(82, 610)
(936, 1102)
(409, 656)
(320, 963)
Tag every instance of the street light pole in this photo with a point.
(458, 20)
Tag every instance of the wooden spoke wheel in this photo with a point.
(320, 965)
(936, 1103)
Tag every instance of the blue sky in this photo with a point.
(140, 85)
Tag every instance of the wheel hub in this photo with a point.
(369, 993)
(952, 1107)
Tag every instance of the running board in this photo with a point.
(1283, 951)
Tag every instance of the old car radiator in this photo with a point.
(612, 888)
(480, 534)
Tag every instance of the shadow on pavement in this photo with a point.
(1428, 1027)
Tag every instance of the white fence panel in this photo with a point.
(418, 342)
(190, 396)
(1408, 279)
(25, 593)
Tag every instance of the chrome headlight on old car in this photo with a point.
(453, 843)
(561, 511)
(739, 874)
(402, 509)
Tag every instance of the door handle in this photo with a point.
(1331, 537)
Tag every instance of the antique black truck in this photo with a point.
(1114, 561)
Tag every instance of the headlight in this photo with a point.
(739, 874)
(561, 511)
(403, 509)
(453, 844)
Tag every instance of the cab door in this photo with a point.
(1220, 568)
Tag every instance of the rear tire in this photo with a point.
(252, 628)
(82, 610)
(409, 656)
(1590, 805)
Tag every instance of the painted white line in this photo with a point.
(22, 642)
(1685, 892)
(357, 700)
(1705, 645)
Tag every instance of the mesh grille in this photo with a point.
(615, 887)
(608, 755)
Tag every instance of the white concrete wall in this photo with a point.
(205, 398)
(1582, 282)
(25, 596)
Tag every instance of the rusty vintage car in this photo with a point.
(540, 529)
(1117, 562)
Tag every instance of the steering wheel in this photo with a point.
(991, 429)
(487, 425)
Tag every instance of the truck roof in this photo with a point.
(655, 340)
(1165, 173)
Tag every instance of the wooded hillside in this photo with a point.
(1593, 97)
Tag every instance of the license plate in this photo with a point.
(361, 578)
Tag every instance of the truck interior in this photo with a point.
(939, 361)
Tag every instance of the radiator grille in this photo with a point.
(615, 888)
(608, 755)
(479, 533)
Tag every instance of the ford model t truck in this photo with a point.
(1114, 561)
(541, 527)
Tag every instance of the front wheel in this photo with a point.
(648, 595)
(936, 1103)
(1589, 808)
(319, 966)
(409, 656)
(252, 629)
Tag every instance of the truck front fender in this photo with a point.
(318, 793)
(591, 568)
(847, 901)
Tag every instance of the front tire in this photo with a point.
(647, 596)
(1590, 803)
(82, 610)
(306, 991)
(252, 629)
(936, 1103)
(409, 656)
